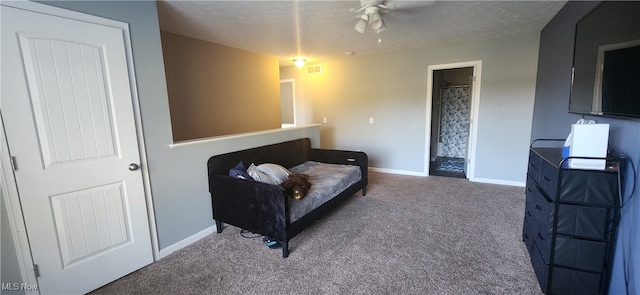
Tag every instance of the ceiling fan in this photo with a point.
(372, 11)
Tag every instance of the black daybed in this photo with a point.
(265, 208)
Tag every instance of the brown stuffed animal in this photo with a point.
(297, 185)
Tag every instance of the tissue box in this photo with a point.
(589, 140)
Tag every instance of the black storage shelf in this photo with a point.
(570, 223)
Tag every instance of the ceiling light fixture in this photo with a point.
(299, 62)
(376, 20)
(372, 17)
(361, 25)
(381, 27)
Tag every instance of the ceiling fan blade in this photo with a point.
(406, 5)
(365, 3)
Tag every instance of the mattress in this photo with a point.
(327, 181)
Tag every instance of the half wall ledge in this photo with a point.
(207, 140)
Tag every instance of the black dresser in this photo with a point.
(570, 223)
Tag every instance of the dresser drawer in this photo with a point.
(570, 281)
(588, 187)
(528, 234)
(565, 280)
(582, 221)
(580, 254)
(530, 196)
(543, 212)
(548, 179)
(574, 253)
(542, 219)
(542, 240)
(540, 268)
(534, 165)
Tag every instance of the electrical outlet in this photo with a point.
(370, 120)
(324, 120)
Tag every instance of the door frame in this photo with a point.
(473, 112)
(9, 188)
(14, 213)
(293, 97)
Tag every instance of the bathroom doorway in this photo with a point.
(451, 106)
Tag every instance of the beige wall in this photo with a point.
(218, 90)
(392, 89)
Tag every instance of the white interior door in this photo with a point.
(68, 115)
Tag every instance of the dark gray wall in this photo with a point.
(552, 120)
(595, 31)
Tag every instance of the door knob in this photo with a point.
(133, 167)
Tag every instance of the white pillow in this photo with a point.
(275, 171)
(259, 176)
(268, 173)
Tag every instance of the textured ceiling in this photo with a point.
(323, 30)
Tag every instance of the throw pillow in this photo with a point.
(260, 176)
(275, 171)
(240, 171)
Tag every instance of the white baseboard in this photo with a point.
(483, 180)
(500, 181)
(188, 241)
(395, 171)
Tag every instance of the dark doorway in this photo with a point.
(450, 121)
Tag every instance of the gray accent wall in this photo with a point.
(551, 119)
(392, 89)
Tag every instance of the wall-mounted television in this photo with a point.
(606, 61)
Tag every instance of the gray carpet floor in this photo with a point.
(409, 235)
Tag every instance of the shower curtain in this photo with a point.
(454, 123)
